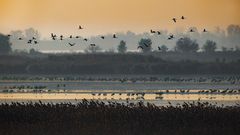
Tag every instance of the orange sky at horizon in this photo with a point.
(108, 16)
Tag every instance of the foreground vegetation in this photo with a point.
(98, 118)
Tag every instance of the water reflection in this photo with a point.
(170, 95)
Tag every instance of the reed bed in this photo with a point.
(90, 117)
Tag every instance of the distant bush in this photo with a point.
(186, 45)
(146, 44)
(209, 46)
(5, 46)
(122, 48)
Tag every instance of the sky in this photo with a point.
(109, 16)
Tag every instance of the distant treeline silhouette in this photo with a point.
(190, 40)
(99, 118)
(120, 64)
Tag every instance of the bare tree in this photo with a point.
(30, 33)
(145, 44)
(209, 46)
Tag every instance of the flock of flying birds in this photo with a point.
(54, 37)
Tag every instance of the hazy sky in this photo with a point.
(105, 16)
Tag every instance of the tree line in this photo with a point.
(184, 45)
(218, 39)
(111, 64)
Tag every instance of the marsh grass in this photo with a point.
(112, 118)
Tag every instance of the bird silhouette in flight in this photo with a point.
(170, 37)
(140, 47)
(85, 39)
(9, 35)
(158, 32)
(102, 37)
(70, 36)
(53, 36)
(92, 44)
(20, 39)
(114, 36)
(174, 20)
(77, 37)
(80, 27)
(204, 30)
(183, 18)
(71, 44)
(33, 38)
(29, 41)
(152, 31)
(61, 37)
(35, 42)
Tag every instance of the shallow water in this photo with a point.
(156, 98)
(94, 85)
(73, 91)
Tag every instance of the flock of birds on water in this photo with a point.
(54, 37)
(138, 95)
